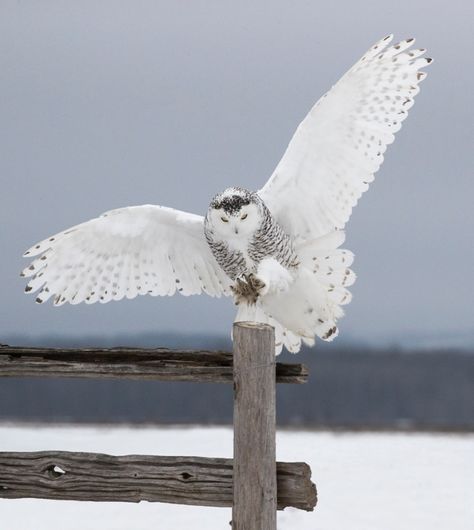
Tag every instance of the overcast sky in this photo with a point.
(108, 104)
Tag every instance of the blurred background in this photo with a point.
(110, 103)
(107, 104)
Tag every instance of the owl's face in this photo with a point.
(235, 213)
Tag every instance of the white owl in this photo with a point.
(276, 251)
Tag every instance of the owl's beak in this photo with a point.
(236, 230)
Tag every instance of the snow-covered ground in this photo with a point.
(365, 481)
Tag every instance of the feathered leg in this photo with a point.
(247, 289)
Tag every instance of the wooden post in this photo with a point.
(255, 486)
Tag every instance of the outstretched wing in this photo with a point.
(124, 253)
(339, 146)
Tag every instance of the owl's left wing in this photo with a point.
(339, 146)
(125, 253)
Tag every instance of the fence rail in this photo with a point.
(63, 475)
(131, 363)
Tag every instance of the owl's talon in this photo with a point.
(255, 282)
(247, 289)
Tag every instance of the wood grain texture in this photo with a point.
(191, 480)
(255, 478)
(131, 363)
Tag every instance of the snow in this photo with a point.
(365, 481)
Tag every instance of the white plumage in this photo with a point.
(278, 250)
(124, 253)
(339, 146)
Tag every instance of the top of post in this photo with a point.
(253, 325)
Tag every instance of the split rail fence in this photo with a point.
(252, 483)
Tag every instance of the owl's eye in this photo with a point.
(224, 220)
(244, 216)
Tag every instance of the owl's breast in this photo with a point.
(243, 247)
(232, 254)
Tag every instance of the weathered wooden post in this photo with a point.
(255, 477)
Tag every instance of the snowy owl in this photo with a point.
(275, 251)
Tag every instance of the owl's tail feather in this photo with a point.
(312, 305)
(283, 336)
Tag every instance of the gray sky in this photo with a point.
(107, 104)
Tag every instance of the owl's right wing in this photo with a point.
(339, 146)
(124, 253)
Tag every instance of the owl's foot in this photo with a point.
(256, 283)
(247, 289)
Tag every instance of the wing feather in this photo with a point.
(125, 253)
(339, 146)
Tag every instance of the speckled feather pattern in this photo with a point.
(339, 146)
(123, 254)
(268, 241)
(303, 209)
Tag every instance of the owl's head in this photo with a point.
(235, 213)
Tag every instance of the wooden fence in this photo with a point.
(253, 483)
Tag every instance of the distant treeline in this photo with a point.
(349, 388)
